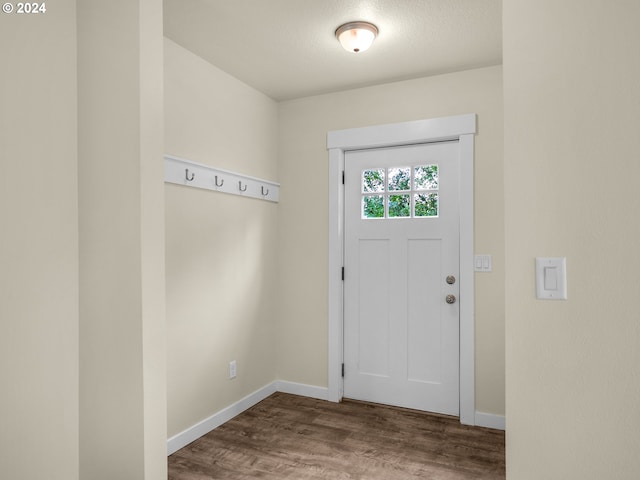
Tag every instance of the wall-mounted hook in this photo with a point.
(184, 172)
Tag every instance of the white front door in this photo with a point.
(401, 337)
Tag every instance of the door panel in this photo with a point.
(373, 328)
(424, 303)
(401, 242)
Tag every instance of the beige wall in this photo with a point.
(221, 249)
(82, 310)
(121, 225)
(38, 246)
(572, 117)
(303, 213)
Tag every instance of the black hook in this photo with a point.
(264, 194)
(219, 184)
(240, 186)
(186, 174)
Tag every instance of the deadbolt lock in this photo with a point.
(451, 279)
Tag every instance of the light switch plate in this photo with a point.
(482, 263)
(551, 278)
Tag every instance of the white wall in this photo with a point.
(39, 246)
(221, 249)
(572, 117)
(302, 297)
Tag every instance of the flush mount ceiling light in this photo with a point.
(356, 36)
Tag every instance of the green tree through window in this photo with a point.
(382, 197)
(373, 206)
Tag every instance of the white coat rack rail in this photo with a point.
(192, 174)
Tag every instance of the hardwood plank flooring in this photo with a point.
(291, 437)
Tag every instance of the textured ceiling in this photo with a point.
(287, 48)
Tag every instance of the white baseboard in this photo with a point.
(203, 427)
(490, 420)
(184, 438)
(311, 391)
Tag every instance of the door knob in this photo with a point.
(451, 299)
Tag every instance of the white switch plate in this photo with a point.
(232, 369)
(482, 263)
(551, 278)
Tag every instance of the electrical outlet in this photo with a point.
(232, 369)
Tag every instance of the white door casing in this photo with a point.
(461, 128)
(401, 337)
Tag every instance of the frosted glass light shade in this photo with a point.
(356, 37)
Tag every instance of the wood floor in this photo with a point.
(292, 437)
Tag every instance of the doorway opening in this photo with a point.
(460, 129)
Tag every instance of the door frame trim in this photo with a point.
(461, 128)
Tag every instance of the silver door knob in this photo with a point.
(451, 299)
(451, 279)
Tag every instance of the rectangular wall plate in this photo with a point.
(482, 263)
(551, 278)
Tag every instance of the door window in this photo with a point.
(400, 192)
